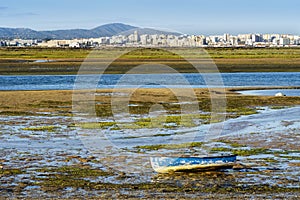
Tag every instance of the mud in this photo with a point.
(42, 162)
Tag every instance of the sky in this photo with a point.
(185, 16)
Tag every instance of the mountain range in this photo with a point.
(106, 30)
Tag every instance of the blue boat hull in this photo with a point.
(177, 164)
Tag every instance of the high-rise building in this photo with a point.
(284, 41)
(144, 39)
(136, 36)
(256, 38)
(226, 37)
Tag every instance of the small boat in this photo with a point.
(180, 164)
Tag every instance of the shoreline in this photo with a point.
(228, 89)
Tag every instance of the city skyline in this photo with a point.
(165, 40)
(189, 17)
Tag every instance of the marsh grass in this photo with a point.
(146, 53)
(68, 61)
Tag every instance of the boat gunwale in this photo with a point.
(209, 157)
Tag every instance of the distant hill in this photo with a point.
(148, 31)
(24, 33)
(101, 31)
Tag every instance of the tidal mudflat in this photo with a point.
(43, 156)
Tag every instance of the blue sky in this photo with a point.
(187, 16)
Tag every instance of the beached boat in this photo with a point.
(178, 164)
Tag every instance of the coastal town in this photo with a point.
(164, 40)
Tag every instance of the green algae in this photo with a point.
(74, 171)
(231, 143)
(41, 128)
(168, 122)
(170, 146)
(278, 107)
(241, 111)
(245, 152)
(9, 172)
(96, 125)
(291, 157)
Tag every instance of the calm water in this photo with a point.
(287, 92)
(66, 82)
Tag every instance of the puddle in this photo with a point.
(43, 61)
